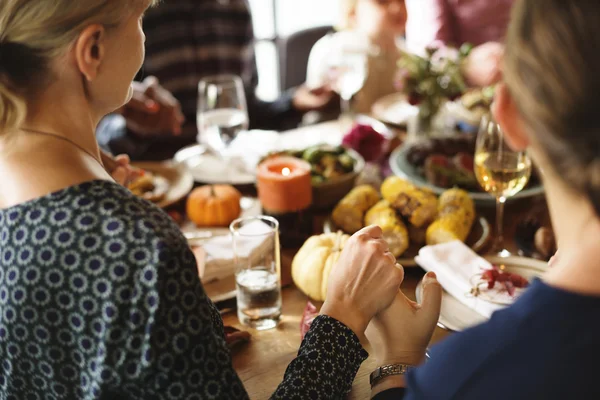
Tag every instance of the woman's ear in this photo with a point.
(90, 48)
(507, 115)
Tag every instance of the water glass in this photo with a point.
(222, 110)
(258, 278)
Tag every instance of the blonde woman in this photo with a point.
(547, 345)
(99, 292)
(370, 27)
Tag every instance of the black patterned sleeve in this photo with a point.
(327, 362)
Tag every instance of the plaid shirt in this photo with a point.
(187, 40)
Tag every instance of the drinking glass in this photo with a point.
(347, 68)
(500, 171)
(222, 111)
(352, 75)
(258, 265)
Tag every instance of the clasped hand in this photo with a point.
(363, 290)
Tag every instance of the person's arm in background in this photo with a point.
(151, 112)
(287, 111)
(428, 21)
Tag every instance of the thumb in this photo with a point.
(432, 298)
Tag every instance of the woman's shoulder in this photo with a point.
(93, 214)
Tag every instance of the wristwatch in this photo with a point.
(388, 370)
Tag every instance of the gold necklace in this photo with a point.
(57, 136)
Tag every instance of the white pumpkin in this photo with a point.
(313, 263)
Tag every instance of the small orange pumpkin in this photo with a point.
(213, 205)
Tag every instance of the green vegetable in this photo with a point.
(312, 154)
(346, 162)
(317, 179)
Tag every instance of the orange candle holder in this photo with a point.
(285, 192)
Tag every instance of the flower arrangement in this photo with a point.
(431, 79)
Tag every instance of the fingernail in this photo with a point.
(429, 277)
(152, 105)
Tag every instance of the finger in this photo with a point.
(120, 175)
(141, 103)
(373, 231)
(150, 82)
(122, 159)
(398, 275)
(380, 245)
(432, 298)
(390, 258)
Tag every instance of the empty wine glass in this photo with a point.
(348, 68)
(222, 111)
(500, 171)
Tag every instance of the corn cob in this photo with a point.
(394, 230)
(449, 227)
(418, 207)
(452, 199)
(393, 186)
(350, 211)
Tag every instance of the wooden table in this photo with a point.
(262, 362)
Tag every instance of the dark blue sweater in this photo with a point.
(546, 346)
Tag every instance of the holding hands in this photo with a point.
(364, 290)
(365, 280)
(400, 334)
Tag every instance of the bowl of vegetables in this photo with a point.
(334, 170)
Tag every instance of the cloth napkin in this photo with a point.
(252, 242)
(458, 269)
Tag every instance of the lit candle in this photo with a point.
(284, 184)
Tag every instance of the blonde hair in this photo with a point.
(33, 33)
(551, 69)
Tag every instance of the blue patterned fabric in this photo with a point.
(100, 299)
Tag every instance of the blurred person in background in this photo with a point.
(188, 40)
(481, 23)
(545, 345)
(372, 27)
(456, 22)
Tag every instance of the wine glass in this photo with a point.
(222, 111)
(500, 171)
(352, 75)
(347, 70)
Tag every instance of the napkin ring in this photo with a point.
(388, 370)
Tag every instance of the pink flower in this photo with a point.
(366, 141)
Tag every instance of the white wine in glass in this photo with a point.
(500, 171)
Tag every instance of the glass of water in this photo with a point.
(257, 277)
(222, 111)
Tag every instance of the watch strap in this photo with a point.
(388, 370)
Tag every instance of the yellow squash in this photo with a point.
(313, 263)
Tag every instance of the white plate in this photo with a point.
(207, 167)
(180, 181)
(455, 316)
(394, 109)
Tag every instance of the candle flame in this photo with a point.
(286, 171)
